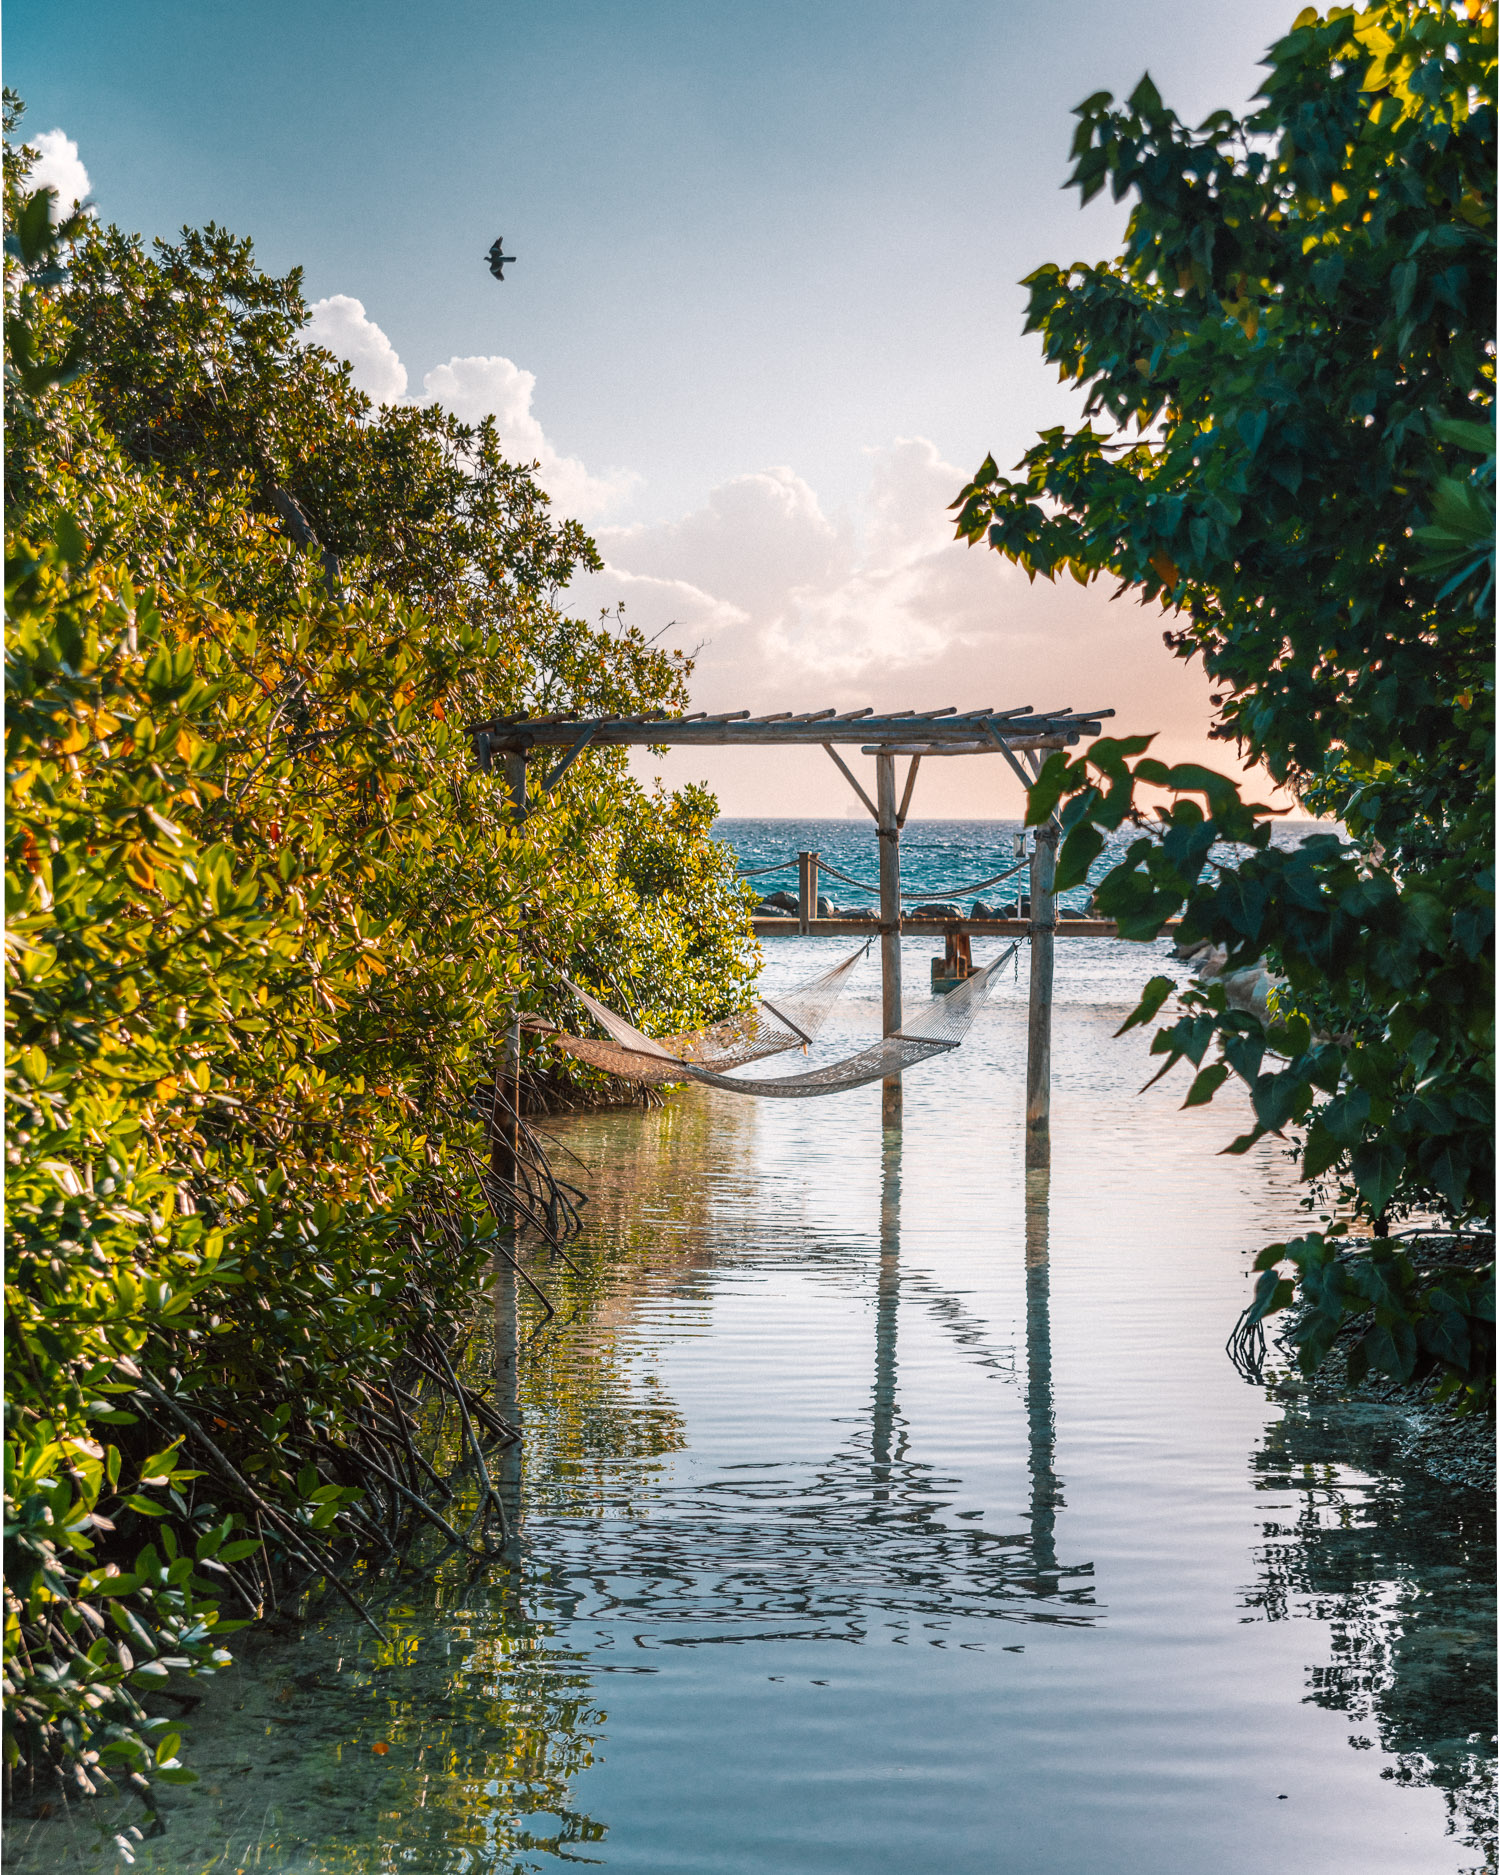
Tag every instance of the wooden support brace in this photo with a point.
(848, 775)
(911, 782)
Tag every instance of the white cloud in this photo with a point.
(475, 388)
(814, 599)
(472, 389)
(801, 610)
(59, 166)
(341, 325)
(759, 537)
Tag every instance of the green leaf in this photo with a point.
(1206, 1084)
(1153, 996)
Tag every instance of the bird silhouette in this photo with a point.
(497, 258)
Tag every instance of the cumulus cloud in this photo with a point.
(801, 610)
(758, 538)
(475, 388)
(59, 166)
(341, 325)
(812, 598)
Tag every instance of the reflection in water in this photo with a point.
(1401, 1569)
(1041, 1423)
(888, 1296)
(781, 1601)
(507, 1394)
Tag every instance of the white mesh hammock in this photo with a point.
(770, 1029)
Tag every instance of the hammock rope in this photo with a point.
(768, 1029)
(937, 1030)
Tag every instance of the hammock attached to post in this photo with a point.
(768, 1029)
(938, 1030)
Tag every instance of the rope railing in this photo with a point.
(927, 892)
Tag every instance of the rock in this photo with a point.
(767, 910)
(781, 901)
(825, 908)
(1250, 991)
(856, 911)
(980, 910)
(935, 911)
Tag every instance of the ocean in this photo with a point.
(940, 859)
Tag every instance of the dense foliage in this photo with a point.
(1290, 444)
(266, 926)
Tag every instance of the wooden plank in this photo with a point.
(940, 927)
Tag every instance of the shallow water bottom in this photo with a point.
(885, 1509)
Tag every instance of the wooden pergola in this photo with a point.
(1023, 737)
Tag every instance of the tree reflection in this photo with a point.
(1395, 1563)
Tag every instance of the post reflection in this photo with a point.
(507, 1348)
(887, 1303)
(1046, 1488)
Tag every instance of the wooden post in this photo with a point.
(1039, 1014)
(505, 1154)
(890, 926)
(807, 890)
(505, 1143)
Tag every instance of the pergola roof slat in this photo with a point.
(946, 731)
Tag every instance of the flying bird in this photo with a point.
(497, 258)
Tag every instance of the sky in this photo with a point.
(765, 317)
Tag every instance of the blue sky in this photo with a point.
(764, 317)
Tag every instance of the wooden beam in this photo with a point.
(927, 730)
(968, 748)
(941, 927)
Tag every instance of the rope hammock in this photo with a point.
(770, 1029)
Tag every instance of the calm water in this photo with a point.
(885, 1514)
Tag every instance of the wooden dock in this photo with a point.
(790, 926)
